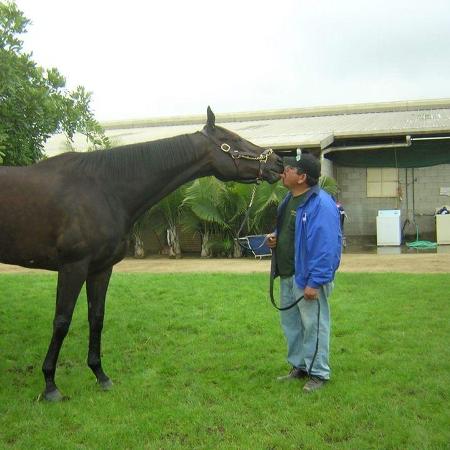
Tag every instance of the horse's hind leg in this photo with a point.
(70, 280)
(96, 287)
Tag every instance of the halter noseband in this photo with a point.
(236, 155)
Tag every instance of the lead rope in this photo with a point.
(272, 271)
(272, 279)
(239, 239)
(247, 214)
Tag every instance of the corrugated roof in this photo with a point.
(306, 127)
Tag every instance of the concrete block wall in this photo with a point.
(362, 211)
(426, 182)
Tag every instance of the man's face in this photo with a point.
(291, 178)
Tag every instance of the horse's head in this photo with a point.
(234, 158)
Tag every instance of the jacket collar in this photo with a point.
(309, 193)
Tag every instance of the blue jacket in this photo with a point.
(318, 238)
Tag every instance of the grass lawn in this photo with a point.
(194, 360)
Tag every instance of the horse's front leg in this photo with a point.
(96, 287)
(70, 280)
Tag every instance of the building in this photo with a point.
(392, 155)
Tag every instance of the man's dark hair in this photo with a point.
(309, 179)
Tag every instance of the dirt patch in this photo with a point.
(406, 263)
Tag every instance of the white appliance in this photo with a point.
(443, 228)
(389, 229)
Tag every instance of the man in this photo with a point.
(307, 247)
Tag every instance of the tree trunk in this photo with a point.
(206, 251)
(237, 250)
(139, 251)
(173, 240)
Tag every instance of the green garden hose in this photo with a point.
(421, 245)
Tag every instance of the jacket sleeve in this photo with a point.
(323, 244)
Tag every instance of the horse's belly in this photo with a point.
(27, 234)
(46, 225)
(23, 253)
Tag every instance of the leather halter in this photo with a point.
(236, 154)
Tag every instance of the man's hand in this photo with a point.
(311, 293)
(271, 240)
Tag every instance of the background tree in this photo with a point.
(216, 210)
(34, 103)
(262, 217)
(137, 239)
(165, 217)
(204, 212)
(329, 184)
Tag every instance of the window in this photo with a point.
(382, 182)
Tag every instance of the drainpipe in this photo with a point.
(431, 138)
(414, 207)
(406, 192)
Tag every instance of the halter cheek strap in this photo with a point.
(236, 154)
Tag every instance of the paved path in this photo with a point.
(351, 262)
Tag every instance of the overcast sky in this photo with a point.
(142, 59)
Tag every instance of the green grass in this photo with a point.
(194, 360)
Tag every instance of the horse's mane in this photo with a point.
(133, 159)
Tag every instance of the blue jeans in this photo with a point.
(300, 328)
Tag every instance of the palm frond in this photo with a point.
(329, 185)
(209, 213)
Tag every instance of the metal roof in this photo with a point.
(290, 128)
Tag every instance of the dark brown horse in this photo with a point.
(72, 213)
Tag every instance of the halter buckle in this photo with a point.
(225, 147)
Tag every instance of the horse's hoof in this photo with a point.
(106, 385)
(53, 396)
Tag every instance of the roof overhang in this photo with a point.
(323, 129)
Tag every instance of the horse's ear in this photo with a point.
(211, 122)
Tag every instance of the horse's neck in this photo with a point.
(149, 179)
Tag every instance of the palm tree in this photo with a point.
(216, 211)
(146, 222)
(262, 216)
(329, 185)
(165, 216)
(136, 235)
(204, 211)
